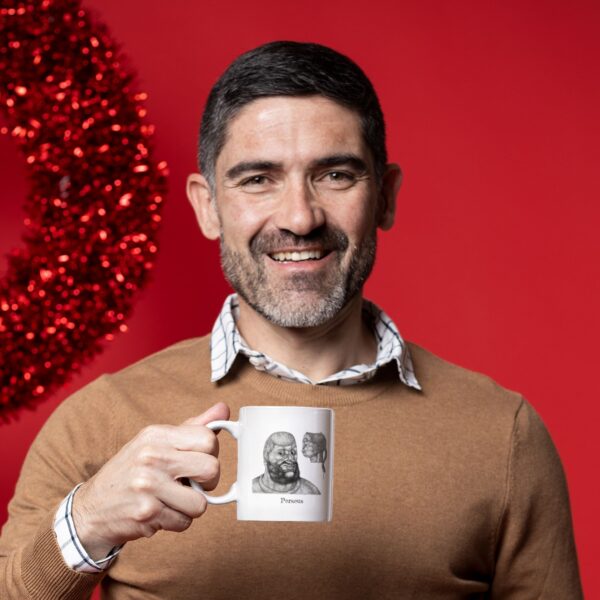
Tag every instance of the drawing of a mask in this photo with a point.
(314, 447)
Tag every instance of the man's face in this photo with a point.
(309, 448)
(296, 200)
(282, 463)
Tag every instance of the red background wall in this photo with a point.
(492, 111)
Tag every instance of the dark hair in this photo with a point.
(290, 69)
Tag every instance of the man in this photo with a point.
(446, 485)
(282, 474)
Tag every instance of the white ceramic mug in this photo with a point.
(285, 464)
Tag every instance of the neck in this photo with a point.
(317, 352)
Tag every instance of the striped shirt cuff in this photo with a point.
(73, 552)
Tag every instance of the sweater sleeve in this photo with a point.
(73, 444)
(535, 547)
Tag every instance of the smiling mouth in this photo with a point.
(298, 256)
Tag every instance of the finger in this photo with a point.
(174, 464)
(173, 520)
(156, 439)
(217, 412)
(182, 499)
(207, 483)
(205, 469)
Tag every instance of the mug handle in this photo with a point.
(231, 496)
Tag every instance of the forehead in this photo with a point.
(288, 129)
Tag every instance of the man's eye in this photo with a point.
(338, 179)
(339, 176)
(255, 180)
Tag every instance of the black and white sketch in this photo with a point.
(282, 473)
(314, 447)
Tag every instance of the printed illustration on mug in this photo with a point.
(282, 473)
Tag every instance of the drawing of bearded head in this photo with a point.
(280, 455)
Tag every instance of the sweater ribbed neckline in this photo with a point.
(277, 391)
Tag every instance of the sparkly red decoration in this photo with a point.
(93, 209)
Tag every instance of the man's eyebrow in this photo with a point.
(333, 160)
(251, 165)
(338, 160)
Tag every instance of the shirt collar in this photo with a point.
(227, 343)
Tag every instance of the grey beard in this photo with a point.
(279, 306)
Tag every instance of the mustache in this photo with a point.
(279, 474)
(327, 238)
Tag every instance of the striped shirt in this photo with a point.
(226, 343)
(225, 346)
(74, 554)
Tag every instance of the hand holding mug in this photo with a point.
(138, 492)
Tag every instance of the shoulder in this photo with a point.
(449, 385)
(179, 359)
(481, 422)
(466, 411)
(479, 411)
(167, 386)
(306, 487)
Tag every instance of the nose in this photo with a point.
(298, 209)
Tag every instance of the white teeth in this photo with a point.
(297, 256)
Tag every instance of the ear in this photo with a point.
(390, 185)
(200, 197)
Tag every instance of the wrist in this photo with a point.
(73, 552)
(89, 529)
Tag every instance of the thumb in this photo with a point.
(217, 412)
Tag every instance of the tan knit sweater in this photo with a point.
(452, 492)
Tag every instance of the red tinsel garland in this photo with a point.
(94, 199)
